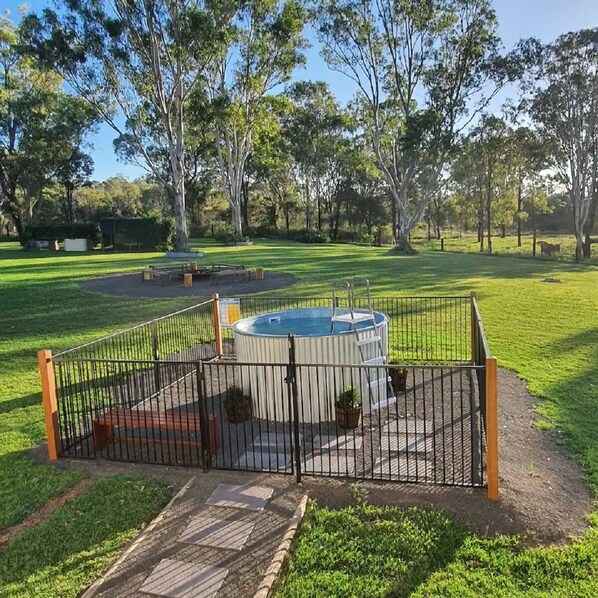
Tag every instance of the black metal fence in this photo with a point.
(159, 393)
(420, 330)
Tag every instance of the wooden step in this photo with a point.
(384, 403)
(380, 382)
(375, 360)
(353, 318)
(368, 341)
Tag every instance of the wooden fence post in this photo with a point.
(217, 327)
(492, 427)
(474, 352)
(46, 372)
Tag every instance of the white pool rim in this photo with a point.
(267, 388)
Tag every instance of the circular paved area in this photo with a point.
(131, 285)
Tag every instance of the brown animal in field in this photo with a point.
(549, 248)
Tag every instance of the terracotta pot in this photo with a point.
(348, 418)
(398, 377)
(238, 410)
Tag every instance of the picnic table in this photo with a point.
(216, 272)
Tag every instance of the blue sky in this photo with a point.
(545, 19)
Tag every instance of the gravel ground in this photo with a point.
(131, 285)
(543, 494)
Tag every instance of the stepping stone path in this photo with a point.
(405, 445)
(176, 579)
(219, 533)
(343, 442)
(179, 579)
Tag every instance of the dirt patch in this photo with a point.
(7, 535)
(543, 494)
(131, 285)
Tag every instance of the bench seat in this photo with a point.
(106, 424)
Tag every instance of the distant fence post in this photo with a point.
(492, 427)
(474, 349)
(46, 372)
(442, 244)
(217, 327)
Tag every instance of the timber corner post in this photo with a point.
(46, 372)
(492, 427)
(217, 327)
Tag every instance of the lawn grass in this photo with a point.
(506, 246)
(65, 553)
(365, 551)
(547, 333)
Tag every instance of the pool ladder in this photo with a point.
(375, 377)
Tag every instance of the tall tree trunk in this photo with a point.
(519, 210)
(429, 223)
(395, 227)
(307, 207)
(287, 221)
(245, 202)
(177, 165)
(237, 218)
(589, 226)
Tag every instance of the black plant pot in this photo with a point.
(398, 377)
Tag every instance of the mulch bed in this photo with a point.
(131, 285)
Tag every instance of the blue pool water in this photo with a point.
(300, 322)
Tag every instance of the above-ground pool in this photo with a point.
(264, 339)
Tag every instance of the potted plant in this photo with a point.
(398, 376)
(348, 408)
(237, 405)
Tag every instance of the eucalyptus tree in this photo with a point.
(468, 175)
(423, 70)
(263, 49)
(42, 131)
(136, 63)
(315, 126)
(528, 158)
(490, 139)
(564, 107)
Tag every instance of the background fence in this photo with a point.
(160, 393)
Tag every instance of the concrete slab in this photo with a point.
(263, 461)
(407, 443)
(245, 496)
(177, 579)
(278, 440)
(398, 467)
(342, 442)
(218, 533)
(336, 463)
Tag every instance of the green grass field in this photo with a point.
(507, 246)
(547, 333)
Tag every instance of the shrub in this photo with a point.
(233, 393)
(349, 398)
(224, 233)
(369, 239)
(313, 237)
